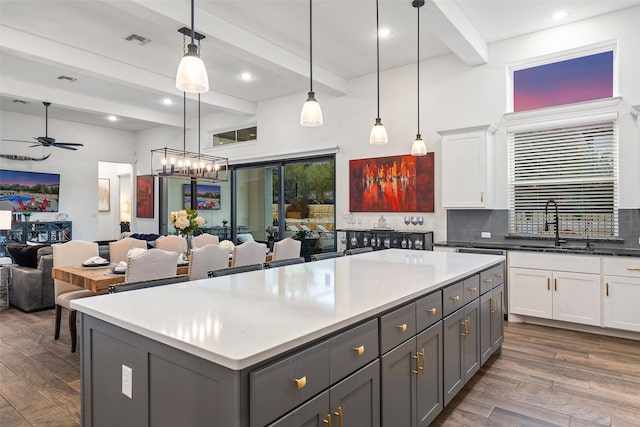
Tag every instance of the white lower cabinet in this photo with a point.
(555, 292)
(621, 293)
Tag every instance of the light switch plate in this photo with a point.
(485, 235)
(127, 381)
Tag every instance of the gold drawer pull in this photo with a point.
(338, 414)
(417, 359)
(488, 280)
(456, 298)
(499, 275)
(301, 382)
(403, 327)
(433, 311)
(359, 350)
(473, 289)
(494, 306)
(327, 420)
(633, 268)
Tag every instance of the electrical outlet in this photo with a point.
(485, 235)
(127, 381)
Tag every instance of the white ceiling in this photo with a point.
(85, 39)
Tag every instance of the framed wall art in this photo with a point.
(392, 184)
(208, 196)
(144, 196)
(104, 194)
(29, 191)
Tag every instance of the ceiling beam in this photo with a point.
(19, 89)
(41, 49)
(215, 27)
(449, 23)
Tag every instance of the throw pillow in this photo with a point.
(25, 255)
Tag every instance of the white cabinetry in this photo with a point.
(621, 293)
(467, 172)
(553, 286)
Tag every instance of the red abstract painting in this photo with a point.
(392, 184)
(144, 196)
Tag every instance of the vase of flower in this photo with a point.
(186, 223)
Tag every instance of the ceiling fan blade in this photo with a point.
(45, 140)
(69, 143)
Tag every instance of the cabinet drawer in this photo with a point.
(397, 326)
(428, 310)
(621, 266)
(471, 288)
(452, 298)
(274, 389)
(491, 278)
(352, 349)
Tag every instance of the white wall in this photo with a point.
(109, 222)
(78, 169)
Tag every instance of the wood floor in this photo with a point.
(545, 376)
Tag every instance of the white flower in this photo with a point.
(181, 223)
(200, 221)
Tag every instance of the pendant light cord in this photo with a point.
(184, 122)
(378, 57)
(418, 67)
(199, 127)
(310, 47)
(193, 30)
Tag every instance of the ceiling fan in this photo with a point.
(46, 140)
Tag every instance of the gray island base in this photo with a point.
(385, 338)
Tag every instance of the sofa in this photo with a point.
(30, 281)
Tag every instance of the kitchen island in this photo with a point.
(226, 351)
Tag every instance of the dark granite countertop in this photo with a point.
(575, 247)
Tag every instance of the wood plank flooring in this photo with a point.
(544, 377)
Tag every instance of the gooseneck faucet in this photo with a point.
(555, 222)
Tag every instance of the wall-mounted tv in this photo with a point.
(208, 196)
(29, 191)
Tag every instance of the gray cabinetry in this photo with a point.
(354, 401)
(491, 322)
(461, 348)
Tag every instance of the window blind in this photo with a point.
(577, 166)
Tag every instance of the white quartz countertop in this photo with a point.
(239, 320)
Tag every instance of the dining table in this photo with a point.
(96, 279)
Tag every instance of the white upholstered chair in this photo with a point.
(150, 265)
(118, 250)
(205, 239)
(70, 253)
(172, 243)
(249, 253)
(286, 249)
(205, 259)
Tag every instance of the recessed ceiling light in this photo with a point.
(559, 15)
(384, 32)
(112, 118)
(246, 76)
(167, 101)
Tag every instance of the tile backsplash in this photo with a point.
(467, 225)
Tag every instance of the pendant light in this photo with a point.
(378, 132)
(192, 74)
(311, 114)
(418, 148)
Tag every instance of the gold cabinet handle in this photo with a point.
(555, 284)
(301, 382)
(338, 414)
(494, 306)
(606, 288)
(403, 327)
(474, 289)
(424, 361)
(487, 280)
(359, 350)
(499, 275)
(417, 359)
(456, 298)
(433, 311)
(327, 420)
(548, 284)
(467, 330)
(633, 268)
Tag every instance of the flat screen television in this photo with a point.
(29, 191)
(208, 196)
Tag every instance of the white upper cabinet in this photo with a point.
(467, 171)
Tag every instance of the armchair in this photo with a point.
(31, 284)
